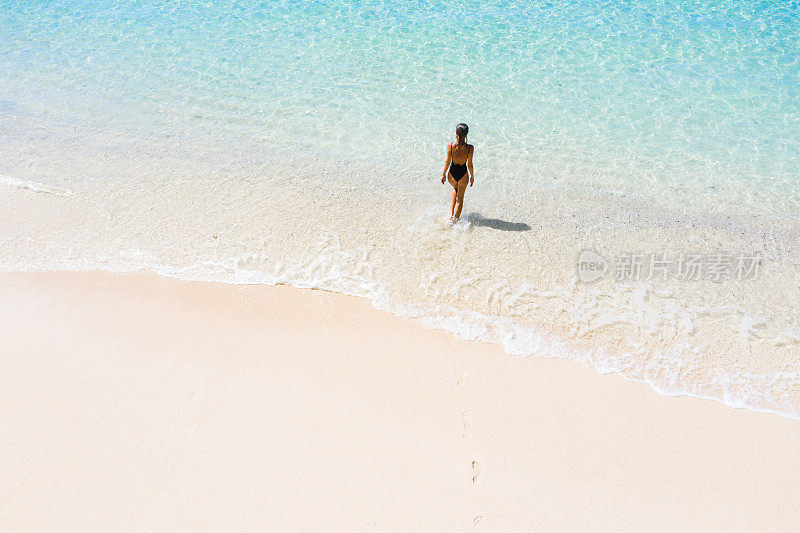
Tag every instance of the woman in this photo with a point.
(459, 159)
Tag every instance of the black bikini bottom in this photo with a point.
(457, 171)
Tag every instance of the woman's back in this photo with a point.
(460, 153)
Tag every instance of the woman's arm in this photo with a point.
(469, 166)
(446, 164)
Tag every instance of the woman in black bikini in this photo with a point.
(458, 151)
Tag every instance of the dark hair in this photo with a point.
(461, 132)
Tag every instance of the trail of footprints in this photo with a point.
(476, 467)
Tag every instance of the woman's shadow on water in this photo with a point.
(476, 219)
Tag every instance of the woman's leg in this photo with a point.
(453, 196)
(459, 195)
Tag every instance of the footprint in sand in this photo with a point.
(465, 415)
(476, 471)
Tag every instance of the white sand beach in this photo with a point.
(133, 401)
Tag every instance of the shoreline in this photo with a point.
(735, 342)
(138, 400)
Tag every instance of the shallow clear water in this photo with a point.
(301, 142)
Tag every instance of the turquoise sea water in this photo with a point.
(693, 95)
(301, 142)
